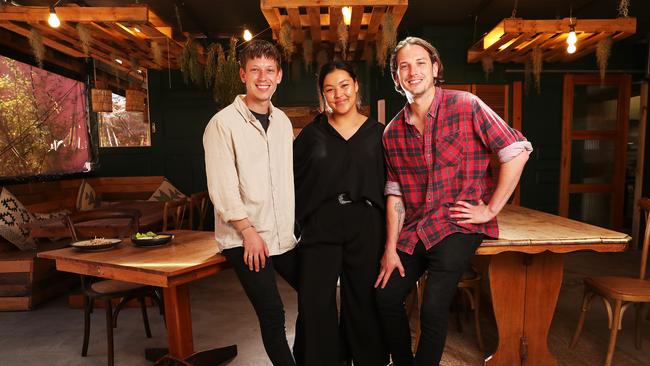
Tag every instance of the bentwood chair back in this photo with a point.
(622, 292)
(107, 290)
(199, 207)
(174, 213)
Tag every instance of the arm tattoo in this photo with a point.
(399, 208)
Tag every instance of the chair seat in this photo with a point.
(624, 288)
(114, 286)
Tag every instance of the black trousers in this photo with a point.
(262, 290)
(350, 251)
(445, 263)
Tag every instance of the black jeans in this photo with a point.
(351, 250)
(262, 290)
(445, 263)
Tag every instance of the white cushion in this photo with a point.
(86, 197)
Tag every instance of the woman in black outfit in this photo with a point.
(339, 177)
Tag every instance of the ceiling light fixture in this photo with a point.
(347, 14)
(247, 35)
(118, 61)
(53, 20)
(137, 30)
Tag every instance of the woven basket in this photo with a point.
(134, 100)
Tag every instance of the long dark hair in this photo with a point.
(330, 67)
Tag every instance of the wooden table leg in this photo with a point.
(179, 333)
(525, 289)
(179, 321)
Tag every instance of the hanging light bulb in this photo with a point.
(572, 39)
(347, 14)
(53, 20)
(247, 35)
(571, 48)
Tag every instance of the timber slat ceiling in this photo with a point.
(513, 39)
(319, 20)
(126, 33)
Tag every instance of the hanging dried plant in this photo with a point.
(36, 42)
(85, 37)
(623, 8)
(321, 58)
(157, 53)
(528, 75)
(308, 53)
(386, 39)
(210, 70)
(488, 66)
(342, 35)
(603, 51)
(134, 63)
(538, 60)
(116, 70)
(190, 65)
(285, 38)
(226, 81)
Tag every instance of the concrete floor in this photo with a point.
(52, 334)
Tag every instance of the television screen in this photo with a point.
(43, 122)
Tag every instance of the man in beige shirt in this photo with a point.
(249, 168)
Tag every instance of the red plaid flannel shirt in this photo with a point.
(446, 164)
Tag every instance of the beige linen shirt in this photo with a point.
(250, 175)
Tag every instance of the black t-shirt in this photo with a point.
(325, 165)
(263, 118)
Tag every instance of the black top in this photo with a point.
(325, 165)
(263, 118)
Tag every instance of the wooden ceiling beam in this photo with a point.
(518, 25)
(327, 3)
(46, 41)
(314, 24)
(133, 14)
(294, 19)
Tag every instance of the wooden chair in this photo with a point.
(174, 214)
(199, 206)
(107, 290)
(469, 285)
(622, 291)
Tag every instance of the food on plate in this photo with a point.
(94, 242)
(150, 235)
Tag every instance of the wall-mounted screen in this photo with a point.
(43, 122)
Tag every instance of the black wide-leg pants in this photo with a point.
(350, 248)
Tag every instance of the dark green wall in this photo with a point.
(180, 113)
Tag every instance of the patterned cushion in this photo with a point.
(12, 214)
(50, 215)
(166, 192)
(86, 197)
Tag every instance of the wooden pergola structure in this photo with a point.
(319, 20)
(127, 34)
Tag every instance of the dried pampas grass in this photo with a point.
(488, 66)
(537, 59)
(285, 39)
(386, 39)
(623, 8)
(308, 53)
(36, 42)
(603, 51)
(342, 35)
(85, 37)
(157, 53)
(321, 58)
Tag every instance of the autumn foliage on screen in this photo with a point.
(43, 122)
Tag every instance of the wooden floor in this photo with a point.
(51, 334)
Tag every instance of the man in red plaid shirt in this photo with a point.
(441, 200)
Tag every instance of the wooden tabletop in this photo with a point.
(525, 230)
(191, 255)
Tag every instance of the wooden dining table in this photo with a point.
(190, 256)
(525, 271)
(151, 219)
